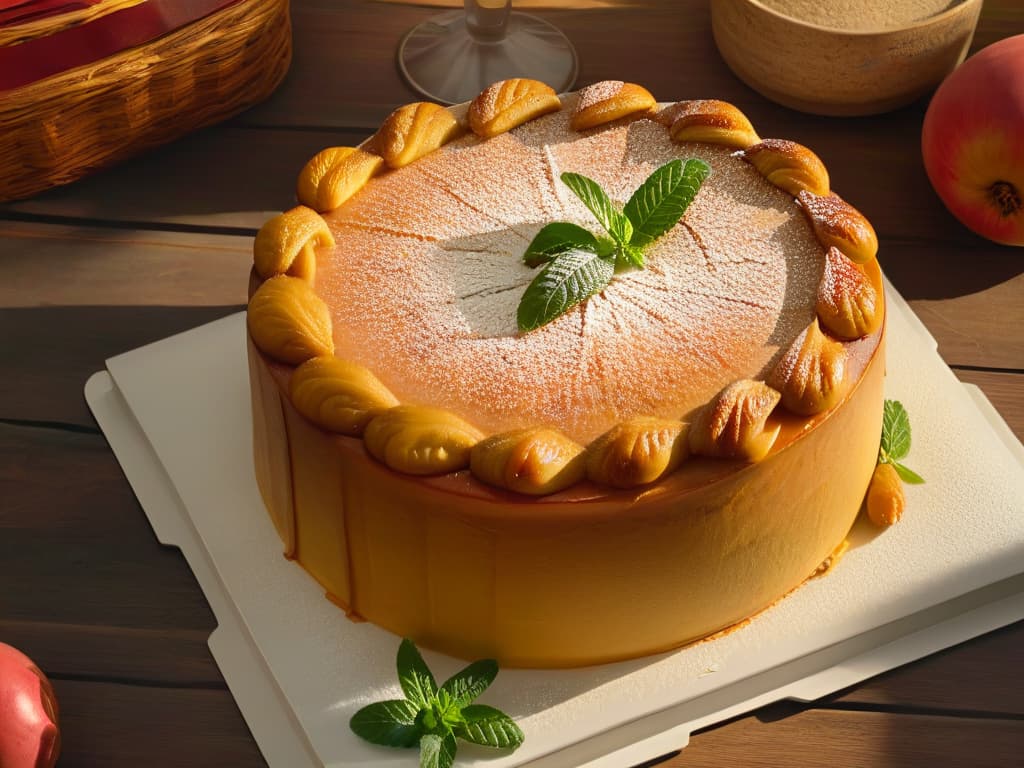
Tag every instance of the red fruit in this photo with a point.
(973, 142)
(29, 737)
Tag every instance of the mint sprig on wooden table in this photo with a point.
(433, 717)
(896, 440)
(578, 263)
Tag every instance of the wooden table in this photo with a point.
(162, 244)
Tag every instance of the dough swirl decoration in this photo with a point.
(535, 461)
(711, 121)
(733, 424)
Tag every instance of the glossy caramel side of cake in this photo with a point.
(561, 581)
(526, 545)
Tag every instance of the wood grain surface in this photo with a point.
(162, 243)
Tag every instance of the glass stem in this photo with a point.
(487, 20)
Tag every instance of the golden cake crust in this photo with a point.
(572, 465)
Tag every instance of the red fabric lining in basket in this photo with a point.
(66, 49)
(19, 11)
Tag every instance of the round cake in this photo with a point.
(661, 459)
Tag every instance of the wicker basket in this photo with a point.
(62, 127)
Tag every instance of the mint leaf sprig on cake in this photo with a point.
(433, 717)
(577, 263)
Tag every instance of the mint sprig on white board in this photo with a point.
(434, 717)
(896, 441)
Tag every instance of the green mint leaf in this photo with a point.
(438, 751)
(431, 716)
(599, 204)
(660, 202)
(453, 717)
(439, 717)
(606, 248)
(556, 238)
(389, 723)
(906, 474)
(447, 707)
(565, 281)
(466, 685)
(414, 675)
(895, 432)
(623, 229)
(490, 727)
(633, 256)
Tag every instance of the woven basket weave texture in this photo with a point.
(61, 128)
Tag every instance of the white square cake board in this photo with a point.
(177, 416)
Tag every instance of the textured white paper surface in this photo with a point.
(963, 532)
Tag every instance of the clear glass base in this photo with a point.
(443, 61)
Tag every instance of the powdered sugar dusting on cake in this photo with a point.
(726, 291)
(502, 177)
(406, 201)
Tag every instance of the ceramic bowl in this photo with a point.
(839, 71)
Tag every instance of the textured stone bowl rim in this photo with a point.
(962, 6)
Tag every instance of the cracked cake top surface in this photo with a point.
(427, 273)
